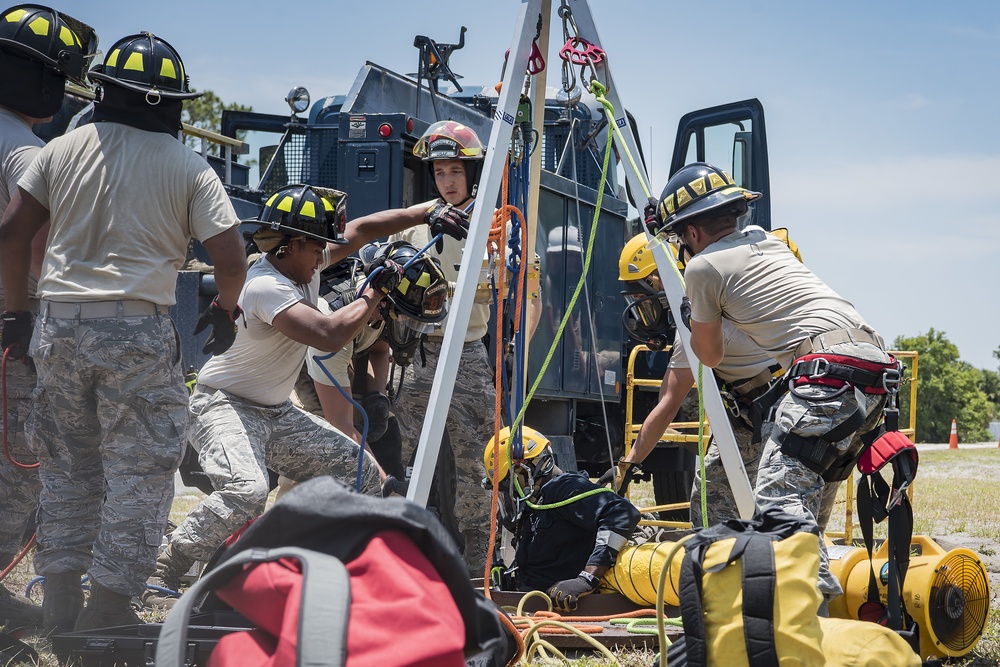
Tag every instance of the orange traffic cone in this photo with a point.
(953, 438)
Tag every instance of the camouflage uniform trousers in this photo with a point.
(470, 427)
(108, 423)
(19, 487)
(237, 441)
(784, 481)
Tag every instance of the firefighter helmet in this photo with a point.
(423, 292)
(305, 210)
(145, 63)
(449, 140)
(646, 316)
(696, 189)
(54, 39)
(535, 448)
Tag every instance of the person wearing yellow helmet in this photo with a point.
(743, 374)
(569, 532)
(839, 372)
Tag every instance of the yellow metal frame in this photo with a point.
(632, 433)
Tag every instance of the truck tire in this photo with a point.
(673, 486)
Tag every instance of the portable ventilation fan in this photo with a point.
(946, 592)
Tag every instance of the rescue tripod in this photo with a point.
(522, 49)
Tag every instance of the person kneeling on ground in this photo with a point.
(568, 531)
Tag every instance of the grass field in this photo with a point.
(955, 501)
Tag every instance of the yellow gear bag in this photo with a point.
(748, 593)
(864, 644)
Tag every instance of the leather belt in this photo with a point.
(96, 310)
(825, 340)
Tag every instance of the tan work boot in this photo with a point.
(171, 565)
(63, 601)
(106, 609)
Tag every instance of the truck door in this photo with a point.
(731, 137)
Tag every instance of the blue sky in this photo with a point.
(883, 162)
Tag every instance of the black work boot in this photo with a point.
(171, 565)
(106, 609)
(16, 611)
(62, 602)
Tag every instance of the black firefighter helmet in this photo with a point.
(145, 63)
(301, 210)
(696, 189)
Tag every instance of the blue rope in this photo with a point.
(364, 415)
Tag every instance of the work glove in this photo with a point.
(16, 336)
(621, 474)
(392, 486)
(649, 214)
(376, 406)
(388, 278)
(223, 325)
(566, 594)
(686, 312)
(445, 218)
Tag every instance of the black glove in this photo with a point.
(392, 486)
(16, 336)
(223, 325)
(686, 312)
(649, 214)
(567, 593)
(376, 406)
(388, 278)
(442, 217)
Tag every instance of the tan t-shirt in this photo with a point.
(451, 259)
(743, 358)
(753, 280)
(123, 204)
(18, 147)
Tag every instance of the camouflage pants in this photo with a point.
(107, 424)
(784, 480)
(719, 501)
(237, 441)
(19, 487)
(470, 426)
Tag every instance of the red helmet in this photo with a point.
(449, 140)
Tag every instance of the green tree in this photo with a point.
(947, 389)
(205, 112)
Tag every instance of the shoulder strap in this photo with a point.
(692, 610)
(759, 578)
(323, 613)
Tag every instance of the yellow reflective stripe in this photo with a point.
(167, 69)
(404, 285)
(40, 26)
(683, 198)
(328, 205)
(717, 181)
(67, 36)
(112, 59)
(308, 209)
(424, 280)
(15, 16)
(134, 62)
(271, 200)
(699, 186)
(285, 205)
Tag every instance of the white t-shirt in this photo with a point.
(753, 280)
(18, 147)
(123, 203)
(263, 363)
(743, 358)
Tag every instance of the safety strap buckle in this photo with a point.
(891, 379)
(897, 495)
(814, 368)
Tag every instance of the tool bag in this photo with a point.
(748, 594)
(368, 581)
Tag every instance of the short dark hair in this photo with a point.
(718, 220)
